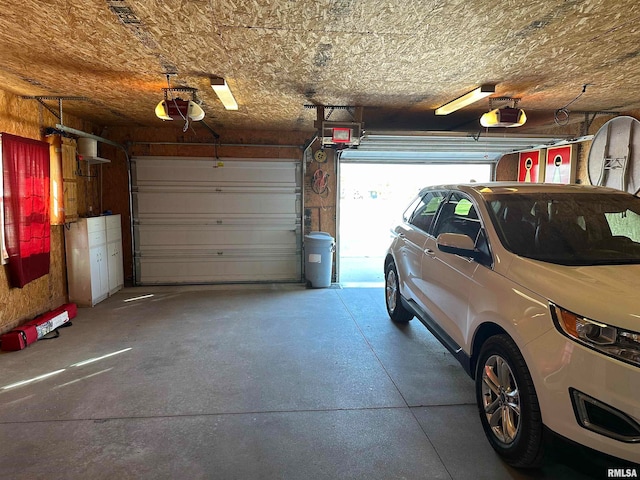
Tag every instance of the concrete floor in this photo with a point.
(253, 382)
(362, 272)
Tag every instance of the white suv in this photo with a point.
(532, 287)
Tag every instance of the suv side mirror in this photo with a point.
(457, 244)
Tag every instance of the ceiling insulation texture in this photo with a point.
(398, 60)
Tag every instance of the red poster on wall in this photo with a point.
(560, 165)
(529, 167)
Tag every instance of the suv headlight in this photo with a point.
(612, 341)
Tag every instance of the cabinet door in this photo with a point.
(116, 271)
(99, 273)
(114, 251)
(114, 230)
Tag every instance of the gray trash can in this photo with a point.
(318, 252)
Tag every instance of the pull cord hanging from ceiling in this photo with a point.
(561, 115)
(171, 97)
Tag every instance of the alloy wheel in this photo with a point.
(501, 399)
(391, 288)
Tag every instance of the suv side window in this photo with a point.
(458, 215)
(408, 213)
(426, 210)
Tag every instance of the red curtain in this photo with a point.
(26, 207)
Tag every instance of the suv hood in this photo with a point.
(607, 293)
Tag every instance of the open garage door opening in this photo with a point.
(372, 199)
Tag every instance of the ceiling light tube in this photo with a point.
(466, 99)
(221, 88)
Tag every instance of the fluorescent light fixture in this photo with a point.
(504, 117)
(223, 91)
(466, 99)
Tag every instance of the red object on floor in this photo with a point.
(23, 336)
(48, 322)
(71, 308)
(18, 338)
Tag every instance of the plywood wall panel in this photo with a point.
(27, 118)
(320, 209)
(507, 168)
(114, 197)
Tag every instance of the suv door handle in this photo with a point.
(429, 252)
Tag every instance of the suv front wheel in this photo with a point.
(508, 404)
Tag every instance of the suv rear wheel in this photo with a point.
(508, 404)
(395, 309)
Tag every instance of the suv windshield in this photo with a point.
(569, 228)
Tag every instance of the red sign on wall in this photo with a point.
(529, 167)
(560, 165)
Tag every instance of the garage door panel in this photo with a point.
(195, 188)
(198, 223)
(188, 203)
(167, 237)
(210, 269)
(181, 220)
(204, 171)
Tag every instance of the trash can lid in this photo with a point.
(321, 237)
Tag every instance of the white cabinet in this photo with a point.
(94, 259)
(99, 276)
(114, 253)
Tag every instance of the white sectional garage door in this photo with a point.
(204, 220)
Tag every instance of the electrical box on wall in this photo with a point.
(341, 133)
